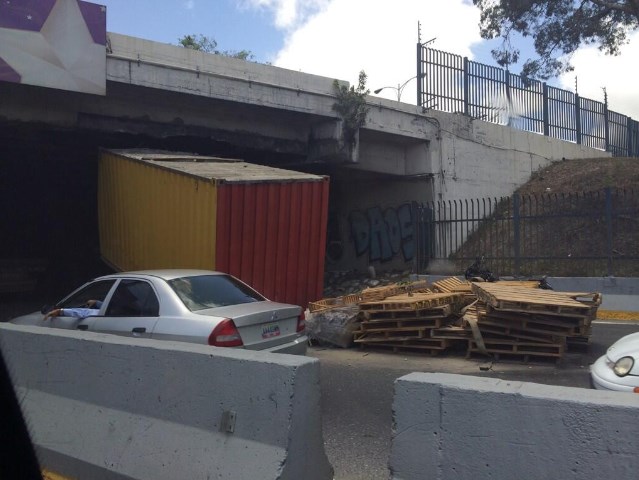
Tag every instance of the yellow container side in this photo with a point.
(150, 217)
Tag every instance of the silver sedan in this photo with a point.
(196, 306)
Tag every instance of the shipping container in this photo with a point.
(266, 226)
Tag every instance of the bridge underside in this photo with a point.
(49, 144)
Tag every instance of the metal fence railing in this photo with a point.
(581, 234)
(452, 83)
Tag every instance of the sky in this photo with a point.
(338, 38)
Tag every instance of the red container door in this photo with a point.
(273, 237)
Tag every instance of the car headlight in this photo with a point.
(623, 366)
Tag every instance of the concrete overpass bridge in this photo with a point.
(168, 97)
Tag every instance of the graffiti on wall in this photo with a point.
(383, 233)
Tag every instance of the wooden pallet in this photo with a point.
(418, 286)
(391, 323)
(415, 301)
(407, 339)
(337, 302)
(451, 332)
(452, 285)
(428, 313)
(472, 311)
(519, 283)
(487, 327)
(401, 333)
(552, 324)
(578, 342)
(380, 293)
(528, 300)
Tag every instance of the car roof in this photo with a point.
(165, 274)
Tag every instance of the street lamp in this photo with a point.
(399, 88)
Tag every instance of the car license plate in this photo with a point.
(270, 330)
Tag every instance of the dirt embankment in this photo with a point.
(570, 176)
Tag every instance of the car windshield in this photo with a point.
(211, 291)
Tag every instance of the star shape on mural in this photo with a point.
(62, 54)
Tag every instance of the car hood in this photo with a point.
(627, 346)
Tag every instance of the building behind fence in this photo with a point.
(581, 234)
(452, 83)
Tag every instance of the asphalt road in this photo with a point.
(357, 392)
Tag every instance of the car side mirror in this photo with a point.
(46, 309)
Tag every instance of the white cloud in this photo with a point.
(618, 75)
(288, 14)
(347, 36)
(189, 4)
(338, 38)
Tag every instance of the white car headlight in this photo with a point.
(623, 366)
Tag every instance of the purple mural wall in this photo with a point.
(54, 43)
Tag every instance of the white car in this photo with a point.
(196, 306)
(618, 369)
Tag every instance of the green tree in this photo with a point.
(241, 54)
(558, 28)
(209, 45)
(351, 106)
(198, 42)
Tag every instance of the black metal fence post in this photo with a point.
(606, 124)
(420, 74)
(509, 100)
(545, 109)
(629, 133)
(419, 251)
(516, 233)
(578, 118)
(466, 86)
(609, 228)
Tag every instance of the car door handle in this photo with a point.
(83, 327)
(139, 330)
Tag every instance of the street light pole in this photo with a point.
(399, 88)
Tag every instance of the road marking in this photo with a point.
(616, 315)
(48, 475)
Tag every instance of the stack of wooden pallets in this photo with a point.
(519, 321)
(406, 321)
(502, 319)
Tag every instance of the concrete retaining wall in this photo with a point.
(479, 159)
(103, 407)
(459, 427)
(618, 294)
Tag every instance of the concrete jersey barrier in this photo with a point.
(107, 407)
(461, 427)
